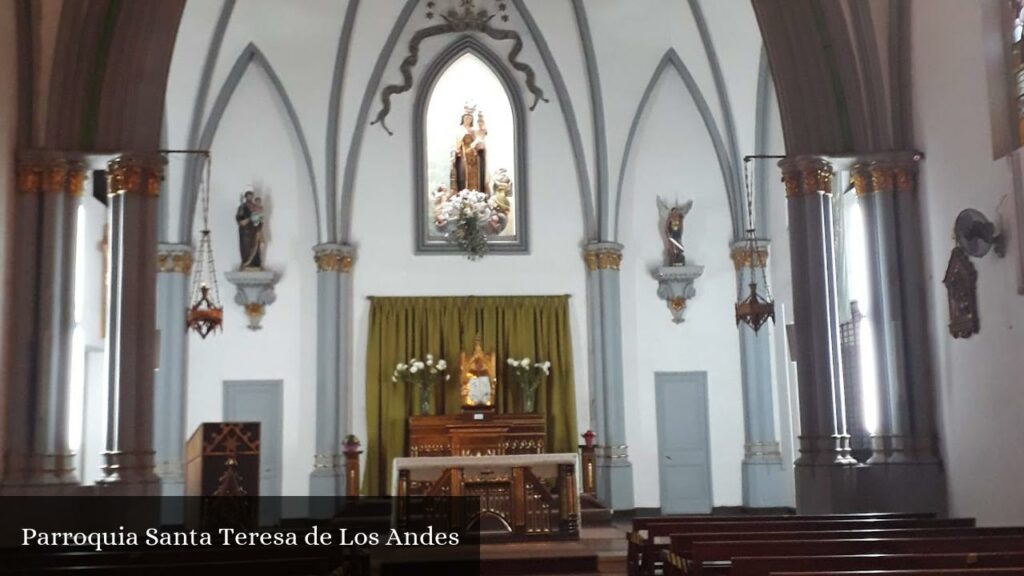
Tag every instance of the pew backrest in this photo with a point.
(766, 565)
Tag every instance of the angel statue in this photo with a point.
(671, 225)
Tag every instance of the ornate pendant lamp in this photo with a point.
(205, 314)
(755, 309)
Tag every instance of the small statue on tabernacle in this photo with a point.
(671, 227)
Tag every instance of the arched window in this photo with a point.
(470, 142)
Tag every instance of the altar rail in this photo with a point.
(521, 497)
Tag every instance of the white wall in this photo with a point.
(8, 130)
(256, 143)
(978, 380)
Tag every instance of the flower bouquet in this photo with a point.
(424, 374)
(529, 375)
(464, 218)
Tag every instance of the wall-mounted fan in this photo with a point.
(976, 235)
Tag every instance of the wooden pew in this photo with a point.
(644, 548)
(766, 565)
(643, 522)
(954, 572)
(960, 572)
(20, 562)
(705, 552)
(682, 544)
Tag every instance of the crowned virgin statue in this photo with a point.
(469, 155)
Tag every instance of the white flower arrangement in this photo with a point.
(464, 217)
(529, 374)
(424, 374)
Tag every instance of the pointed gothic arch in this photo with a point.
(250, 55)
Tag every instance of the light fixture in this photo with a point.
(205, 314)
(755, 309)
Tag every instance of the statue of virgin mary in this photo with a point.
(469, 155)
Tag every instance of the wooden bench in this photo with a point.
(766, 565)
(287, 559)
(705, 552)
(682, 544)
(954, 572)
(645, 546)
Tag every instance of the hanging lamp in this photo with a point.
(205, 314)
(755, 309)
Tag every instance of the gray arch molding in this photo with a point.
(565, 104)
(671, 60)
(460, 47)
(250, 55)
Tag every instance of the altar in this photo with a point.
(522, 497)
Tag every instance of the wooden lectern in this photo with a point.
(210, 450)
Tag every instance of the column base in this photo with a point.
(902, 487)
(826, 488)
(614, 482)
(172, 478)
(129, 474)
(764, 483)
(50, 469)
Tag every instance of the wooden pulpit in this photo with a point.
(223, 456)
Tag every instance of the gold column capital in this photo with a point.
(337, 258)
(860, 175)
(603, 256)
(806, 176)
(139, 174)
(905, 176)
(174, 259)
(53, 173)
(882, 176)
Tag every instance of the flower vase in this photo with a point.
(425, 390)
(529, 399)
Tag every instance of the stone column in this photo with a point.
(874, 187)
(133, 185)
(614, 471)
(764, 476)
(904, 473)
(334, 295)
(174, 268)
(62, 184)
(49, 192)
(917, 355)
(822, 482)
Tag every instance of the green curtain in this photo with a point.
(509, 326)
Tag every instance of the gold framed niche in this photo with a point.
(478, 379)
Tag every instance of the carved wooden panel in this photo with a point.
(480, 434)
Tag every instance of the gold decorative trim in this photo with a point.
(52, 175)
(603, 259)
(806, 177)
(741, 256)
(135, 175)
(29, 178)
(177, 262)
(905, 177)
(862, 181)
(76, 181)
(333, 261)
(881, 177)
(55, 177)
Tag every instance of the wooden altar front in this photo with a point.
(477, 434)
